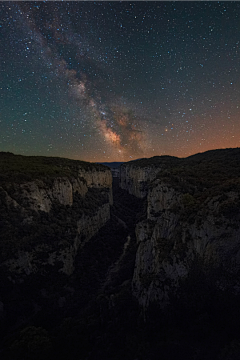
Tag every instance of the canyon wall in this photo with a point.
(47, 219)
(135, 176)
(191, 227)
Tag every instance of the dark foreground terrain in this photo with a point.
(92, 311)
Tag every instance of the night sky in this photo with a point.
(116, 81)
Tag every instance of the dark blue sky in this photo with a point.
(105, 81)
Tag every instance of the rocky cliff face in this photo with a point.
(192, 226)
(135, 179)
(98, 179)
(40, 194)
(135, 176)
(45, 220)
(176, 236)
(61, 255)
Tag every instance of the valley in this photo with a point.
(142, 267)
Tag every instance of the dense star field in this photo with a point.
(116, 81)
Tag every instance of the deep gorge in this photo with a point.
(146, 267)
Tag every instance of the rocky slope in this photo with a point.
(192, 226)
(49, 206)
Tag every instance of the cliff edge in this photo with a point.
(49, 208)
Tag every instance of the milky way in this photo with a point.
(105, 81)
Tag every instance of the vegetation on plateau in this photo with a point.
(20, 168)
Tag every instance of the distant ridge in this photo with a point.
(113, 164)
(116, 164)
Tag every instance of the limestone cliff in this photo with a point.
(49, 208)
(176, 235)
(31, 261)
(192, 225)
(135, 176)
(51, 180)
(39, 195)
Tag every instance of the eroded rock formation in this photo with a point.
(192, 223)
(59, 212)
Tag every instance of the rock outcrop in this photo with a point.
(55, 214)
(176, 236)
(26, 262)
(135, 176)
(39, 195)
(192, 226)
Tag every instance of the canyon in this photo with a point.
(140, 254)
